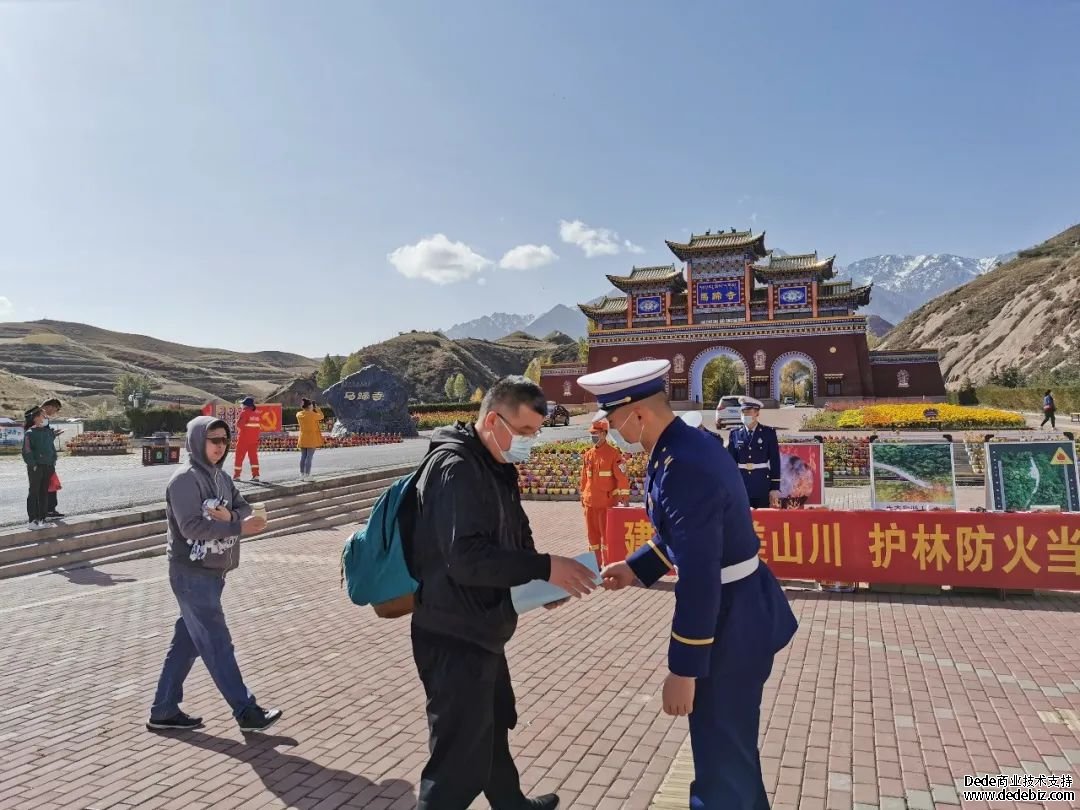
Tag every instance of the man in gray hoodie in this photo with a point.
(206, 516)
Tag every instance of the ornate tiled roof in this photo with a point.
(719, 242)
(609, 306)
(802, 264)
(662, 276)
(844, 293)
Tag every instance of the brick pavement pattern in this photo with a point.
(881, 701)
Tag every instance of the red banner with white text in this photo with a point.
(1015, 550)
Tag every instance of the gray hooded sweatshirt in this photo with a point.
(197, 542)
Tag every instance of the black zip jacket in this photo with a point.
(469, 542)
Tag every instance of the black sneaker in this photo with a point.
(178, 721)
(55, 515)
(256, 718)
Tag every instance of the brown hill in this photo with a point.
(877, 325)
(81, 364)
(1024, 313)
(427, 359)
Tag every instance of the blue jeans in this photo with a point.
(307, 454)
(200, 632)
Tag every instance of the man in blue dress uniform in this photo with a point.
(731, 616)
(756, 450)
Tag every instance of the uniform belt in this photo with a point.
(733, 573)
(762, 466)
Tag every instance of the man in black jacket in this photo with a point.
(470, 544)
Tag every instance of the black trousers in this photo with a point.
(470, 711)
(37, 500)
(1048, 416)
(52, 503)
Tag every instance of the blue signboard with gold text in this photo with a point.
(792, 296)
(648, 306)
(719, 293)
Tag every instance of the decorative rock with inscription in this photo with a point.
(373, 400)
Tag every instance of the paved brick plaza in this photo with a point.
(881, 701)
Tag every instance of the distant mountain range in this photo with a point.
(902, 284)
(561, 318)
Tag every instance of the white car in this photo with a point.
(728, 412)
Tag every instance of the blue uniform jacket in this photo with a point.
(700, 511)
(759, 447)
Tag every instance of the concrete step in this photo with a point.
(154, 544)
(269, 494)
(141, 533)
(358, 495)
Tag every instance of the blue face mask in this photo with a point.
(520, 446)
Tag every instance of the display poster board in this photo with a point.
(912, 475)
(802, 472)
(1031, 476)
(11, 436)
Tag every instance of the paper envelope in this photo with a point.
(538, 593)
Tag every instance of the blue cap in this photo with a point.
(625, 384)
(248, 402)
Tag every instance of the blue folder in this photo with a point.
(536, 594)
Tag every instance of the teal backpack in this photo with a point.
(373, 567)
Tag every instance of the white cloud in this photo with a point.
(7, 309)
(593, 241)
(528, 257)
(438, 260)
(632, 248)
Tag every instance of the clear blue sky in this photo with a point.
(163, 161)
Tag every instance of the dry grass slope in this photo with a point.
(1025, 312)
(82, 363)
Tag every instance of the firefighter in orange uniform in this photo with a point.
(248, 430)
(603, 484)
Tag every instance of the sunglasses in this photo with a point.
(218, 440)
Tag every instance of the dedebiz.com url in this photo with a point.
(1019, 795)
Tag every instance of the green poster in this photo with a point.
(1022, 476)
(908, 475)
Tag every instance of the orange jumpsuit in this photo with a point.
(248, 429)
(603, 484)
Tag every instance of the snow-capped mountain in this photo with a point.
(489, 327)
(902, 284)
(560, 318)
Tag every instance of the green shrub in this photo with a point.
(150, 420)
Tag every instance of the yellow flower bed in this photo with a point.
(911, 416)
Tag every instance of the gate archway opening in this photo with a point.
(794, 379)
(717, 372)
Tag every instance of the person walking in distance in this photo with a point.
(310, 418)
(731, 616)
(756, 450)
(470, 543)
(39, 454)
(51, 408)
(603, 484)
(1049, 411)
(206, 517)
(248, 430)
